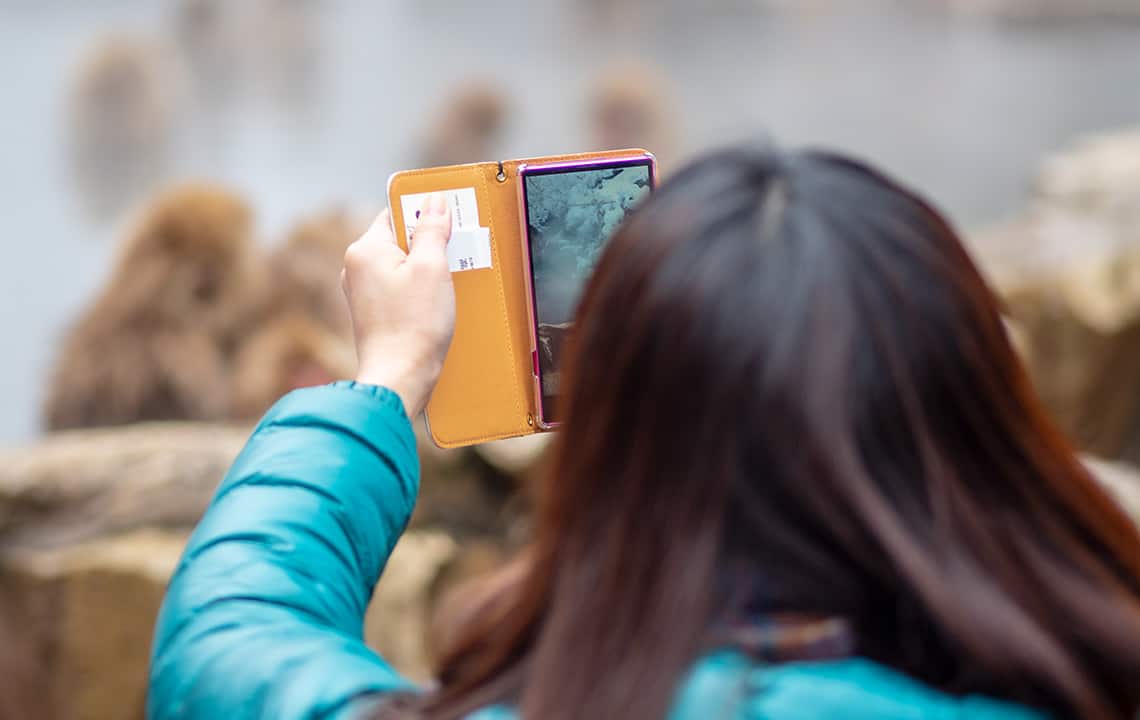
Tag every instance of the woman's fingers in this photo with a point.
(402, 304)
(429, 241)
(377, 244)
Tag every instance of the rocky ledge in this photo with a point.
(92, 524)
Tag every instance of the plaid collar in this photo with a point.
(790, 638)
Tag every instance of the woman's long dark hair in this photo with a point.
(789, 377)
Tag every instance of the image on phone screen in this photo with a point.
(571, 214)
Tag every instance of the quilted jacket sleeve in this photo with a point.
(263, 617)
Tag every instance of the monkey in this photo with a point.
(288, 53)
(121, 123)
(304, 335)
(306, 268)
(619, 14)
(468, 128)
(157, 341)
(288, 352)
(630, 107)
(211, 50)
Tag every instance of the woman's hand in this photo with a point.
(402, 304)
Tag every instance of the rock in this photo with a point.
(516, 457)
(454, 585)
(79, 485)
(471, 496)
(93, 522)
(83, 616)
(467, 499)
(1069, 271)
(399, 618)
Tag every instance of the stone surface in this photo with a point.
(399, 617)
(83, 615)
(79, 485)
(517, 457)
(93, 522)
(78, 604)
(77, 620)
(1069, 271)
(467, 494)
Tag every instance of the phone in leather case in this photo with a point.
(525, 236)
(570, 210)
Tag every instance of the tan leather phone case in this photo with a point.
(487, 389)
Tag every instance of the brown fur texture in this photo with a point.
(121, 122)
(290, 351)
(211, 48)
(155, 344)
(306, 269)
(631, 107)
(289, 53)
(469, 126)
(304, 337)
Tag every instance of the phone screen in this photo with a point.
(571, 213)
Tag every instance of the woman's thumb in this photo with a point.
(433, 230)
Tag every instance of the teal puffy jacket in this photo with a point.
(263, 617)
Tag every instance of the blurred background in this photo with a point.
(299, 105)
(180, 178)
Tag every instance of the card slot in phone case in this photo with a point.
(478, 397)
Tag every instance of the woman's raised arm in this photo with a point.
(264, 615)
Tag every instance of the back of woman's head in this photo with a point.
(790, 392)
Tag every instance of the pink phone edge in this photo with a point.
(532, 321)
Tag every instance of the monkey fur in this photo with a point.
(468, 128)
(290, 351)
(304, 336)
(630, 107)
(155, 344)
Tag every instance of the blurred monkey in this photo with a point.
(122, 122)
(269, 50)
(305, 336)
(307, 267)
(156, 344)
(621, 14)
(469, 126)
(288, 52)
(288, 352)
(1042, 9)
(631, 107)
(207, 37)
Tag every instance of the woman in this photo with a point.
(802, 476)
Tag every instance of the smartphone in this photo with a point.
(570, 212)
